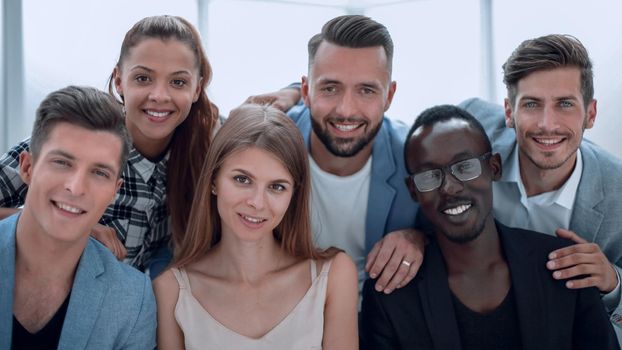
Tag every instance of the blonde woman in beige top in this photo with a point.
(247, 275)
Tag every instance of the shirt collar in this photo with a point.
(563, 196)
(143, 166)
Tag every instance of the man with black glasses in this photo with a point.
(482, 285)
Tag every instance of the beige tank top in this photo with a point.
(302, 328)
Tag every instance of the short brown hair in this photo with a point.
(545, 53)
(353, 31)
(81, 106)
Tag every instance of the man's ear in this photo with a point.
(509, 119)
(304, 90)
(391, 93)
(590, 117)
(495, 166)
(410, 184)
(26, 164)
(117, 187)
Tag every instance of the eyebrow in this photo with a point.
(151, 70)
(253, 177)
(69, 156)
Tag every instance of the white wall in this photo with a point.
(257, 46)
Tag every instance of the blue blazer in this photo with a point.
(597, 210)
(389, 205)
(550, 316)
(111, 305)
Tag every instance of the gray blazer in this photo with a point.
(111, 305)
(597, 211)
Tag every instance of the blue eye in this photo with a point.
(566, 104)
(530, 104)
(101, 173)
(61, 162)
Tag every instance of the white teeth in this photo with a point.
(252, 219)
(457, 210)
(548, 141)
(346, 127)
(68, 208)
(157, 114)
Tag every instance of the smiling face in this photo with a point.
(159, 81)
(459, 210)
(549, 116)
(348, 90)
(71, 182)
(253, 192)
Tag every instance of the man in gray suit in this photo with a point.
(554, 181)
(62, 289)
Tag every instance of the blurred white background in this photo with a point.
(260, 46)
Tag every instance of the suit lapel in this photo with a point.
(381, 194)
(436, 301)
(527, 283)
(586, 219)
(7, 279)
(87, 295)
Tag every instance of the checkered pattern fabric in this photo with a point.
(138, 214)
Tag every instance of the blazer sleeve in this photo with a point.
(143, 334)
(592, 329)
(376, 330)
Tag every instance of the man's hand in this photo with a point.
(108, 237)
(396, 258)
(582, 258)
(283, 99)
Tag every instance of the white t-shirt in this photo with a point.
(338, 212)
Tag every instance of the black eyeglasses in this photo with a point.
(463, 170)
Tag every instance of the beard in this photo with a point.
(344, 147)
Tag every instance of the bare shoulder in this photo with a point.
(342, 271)
(342, 264)
(166, 286)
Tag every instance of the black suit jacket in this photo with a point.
(551, 316)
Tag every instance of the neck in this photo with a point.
(41, 256)
(151, 149)
(476, 255)
(340, 166)
(248, 262)
(537, 180)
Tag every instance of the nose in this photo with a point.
(256, 199)
(549, 119)
(347, 105)
(160, 92)
(450, 184)
(76, 183)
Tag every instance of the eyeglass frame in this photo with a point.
(447, 169)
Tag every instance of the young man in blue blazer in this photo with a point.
(553, 180)
(62, 289)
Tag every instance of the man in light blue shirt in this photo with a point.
(554, 181)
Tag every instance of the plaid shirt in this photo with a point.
(138, 214)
